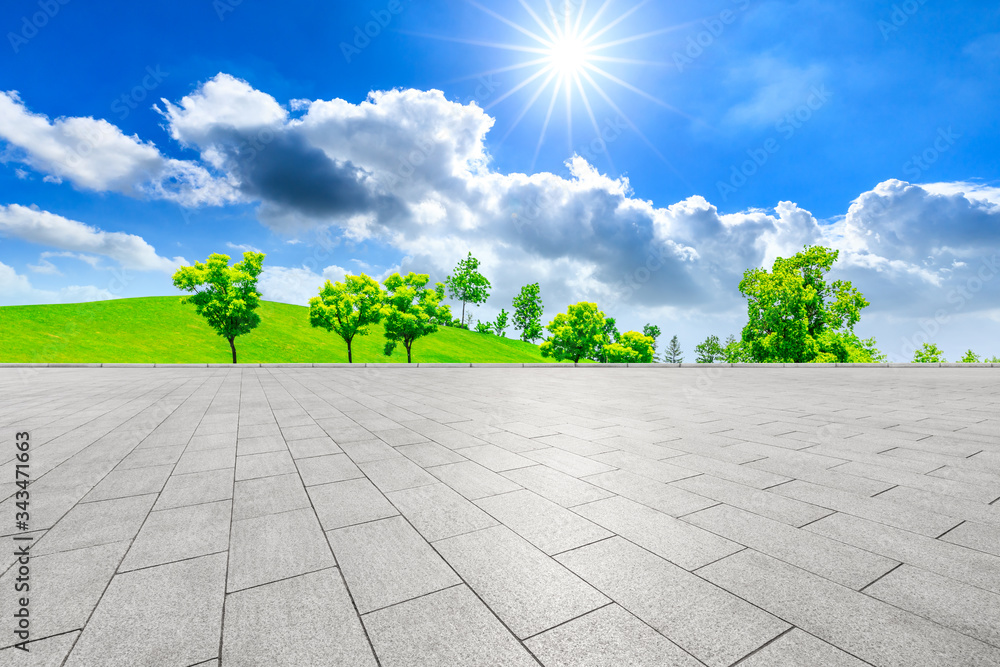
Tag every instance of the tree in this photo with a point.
(576, 334)
(653, 332)
(611, 333)
(672, 355)
(528, 313)
(410, 311)
(796, 317)
(709, 351)
(347, 308)
(631, 347)
(733, 352)
(501, 324)
(224, 295)
(970, 358)
(467, 284)
(929, 353)
(484, 327)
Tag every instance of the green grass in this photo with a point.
(163, 330)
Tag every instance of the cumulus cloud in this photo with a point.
(295, 285)
(95, 155)
(48, 229)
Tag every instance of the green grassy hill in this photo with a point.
(163, 330)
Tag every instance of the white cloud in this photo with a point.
(49, 229)
(242, 247)
(295, 285)
(16, 289)
(95, 155)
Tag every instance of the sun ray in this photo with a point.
(637, 91)
(579, 16)
(473, 42)
(501, 70)
(593, 119)
(636, 38)
(512, 24)
(519, 86)
(528, 105)
(538, 20)
(612, 24)
(545, 125)
(629, 61)
(595, 18)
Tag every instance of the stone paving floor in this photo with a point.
(564, 517)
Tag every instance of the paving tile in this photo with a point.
(946, 487)
(386, 562)
(206, 459)
(967, 609)
(326, 469)
(264, 465)
(715, 626)
(222, 440)
(575, 445)
(607, 637)
(438, 512)
(867, 628)
(427, 454)
(397, 437)
(659, 471)
(529, 591)
(680, 543)
(972, 567)
(949, 505)
(878, 509)
(196, 488)
(306, 620)
(131, 482)
(558, 487)
(268, 495)
(171, 614)
(567, 462)
(542, 522)
(69, 584)
(372, 449)
(496, 458)
(765, 503)
(260, 444)
(443, 629)
(797, 648)
(661, 497)
(301, 449)
(752, 477)
(839, 562)
(473, 480)
(92, 524)
(518, 444)
(157, 456)
(180, 533)
(48, 652)
(276, 546)
(302, 432)
(349, 502)
(975, 536)
(396, 474)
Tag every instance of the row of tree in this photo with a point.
(794, 315)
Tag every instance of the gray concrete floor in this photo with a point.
(564, 517)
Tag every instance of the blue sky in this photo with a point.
(141, 136)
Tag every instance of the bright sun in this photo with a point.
(569, 55)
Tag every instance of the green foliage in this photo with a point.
(969, 358)
(631, 347)
(347, 308)
(528, 313)
(224, 295)
(796, 317)
(500, 326)
(410, 311)
(612, 334)
(673, 354)
(653, 332)
(733, 352)
(709, 351)
(992, 360)
(484, 327)
(579, 333)
(468, 285)
(929, 353)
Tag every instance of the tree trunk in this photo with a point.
(350, 360)
(232, 346)
(409, 360)
(463, 312)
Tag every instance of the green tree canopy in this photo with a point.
(347, 308)
(500, 326)
(929, 353)
(576, 334)
(795, 316)
(631, 347)
(410, 310)
(528, 313)
(709, 351)
(467, 284)
(224, 295)
(969, 357)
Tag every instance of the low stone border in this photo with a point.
(475, 365)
